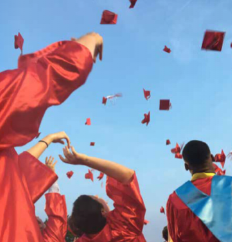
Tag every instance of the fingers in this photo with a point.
(68, 141)
(73, 150)
(63, 159)
(60, 141)
(55, 163)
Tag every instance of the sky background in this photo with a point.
(197, 82)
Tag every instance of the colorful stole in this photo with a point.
(215, 211)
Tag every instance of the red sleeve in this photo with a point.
(37, 176)
(56, 210)
(129, 209)
(43, 79)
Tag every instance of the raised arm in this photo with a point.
(56, 210)
(40, 147)
(43, 79)
(111, 169)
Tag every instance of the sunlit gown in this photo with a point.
(43, 79)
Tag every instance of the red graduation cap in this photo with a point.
(88, 121)
(178, 156)
(89, 175)
(220, 158)
(162, 210)
(109, 17)
(92, 143)
(223, 173)
(168, 142)
(166, 49)
(104, 100)
(100, 176)
(218, 170)
(165, 104)
(146, 222)
(19, 42)
(213, 40)
(147, 94)
(69, 174)
(133, 2)
(146, 118)
(176, 150)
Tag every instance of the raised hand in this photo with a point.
(73, 157)
(58, 138)
(94, 42)
(49, 163)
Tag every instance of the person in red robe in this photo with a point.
(183, 224)
(91, 218)
(55, 228)
(42, 79)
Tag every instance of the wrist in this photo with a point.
(83, 159)
(48, 139)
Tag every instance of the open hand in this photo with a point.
(73, 157)
(49, 163)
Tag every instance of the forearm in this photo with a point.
(40, 147)
(111, 169)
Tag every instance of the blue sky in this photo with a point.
(197, 82)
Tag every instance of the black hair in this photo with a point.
(165, 233)
(87, 216)
(196, 153)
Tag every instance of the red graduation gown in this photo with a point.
(43, 79)
(183, 224)
(56, 210)
(124, 223)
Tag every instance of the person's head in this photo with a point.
(197, 157)
(88, 215)
(165, 233)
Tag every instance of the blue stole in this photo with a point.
(215, 211)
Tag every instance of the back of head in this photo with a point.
(87, 216)
(165, 233)
(196, 153)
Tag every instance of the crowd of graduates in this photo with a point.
(200, 210)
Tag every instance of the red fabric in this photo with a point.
(19, 189)
(43, 79)
(213, 40)
(124, 223)
(146, 118)
(19, 42)
(37, 182)
(183, 225)
(56, 210)
(133, 2)
(109, 17)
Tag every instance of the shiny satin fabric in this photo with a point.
(124, 223)
(215, 211)
(43, 79)
(56, 226)
(18, 191)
